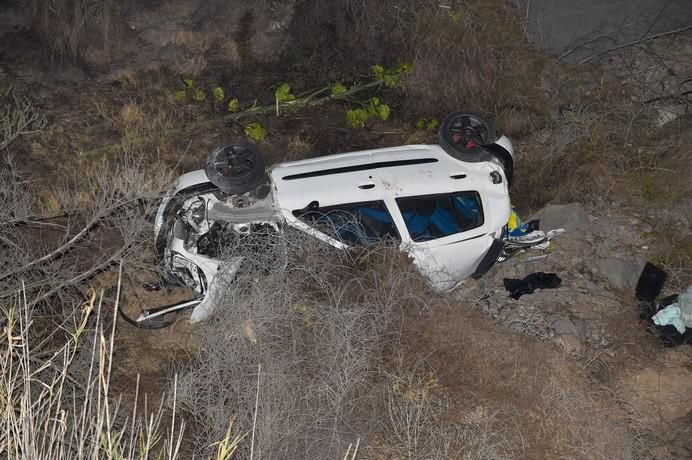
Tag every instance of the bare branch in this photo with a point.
(636, 42)
(19, 117)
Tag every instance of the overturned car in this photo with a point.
(445, 205)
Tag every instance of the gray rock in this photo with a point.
(621, 272)
(572, 217)
(564, 326)
(579, 328)
(583, 329)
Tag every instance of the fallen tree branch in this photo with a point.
(308, 101)
(636, 42)
(60, 250)
(81, 277)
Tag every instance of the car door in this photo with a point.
(348, 224)
(446, 234)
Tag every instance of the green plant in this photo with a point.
(372, 109)
(219, 94)
(255, 131)
(337, 89)
(199, 95)
(428, 125)
(180, 95)
(357, 118)
(233, 105)
(392, 77)
(283, 93)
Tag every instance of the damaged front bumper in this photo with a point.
(199, 273)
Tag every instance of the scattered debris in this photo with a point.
(650, 283)
(530, 283)
(678, 314)
(670, 319)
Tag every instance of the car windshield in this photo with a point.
(436, 216)
(355, 224)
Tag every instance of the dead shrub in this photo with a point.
(471, 55)
(317, 320)
(19, 116)
(104, 219)
(82, 32)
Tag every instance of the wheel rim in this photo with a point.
(234, 161)
(467, 131)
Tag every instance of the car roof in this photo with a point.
(370, 175)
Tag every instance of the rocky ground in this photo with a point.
(593, 315)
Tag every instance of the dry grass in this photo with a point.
(105, 219)
(50, 410)
(79, 31)
(469, 56)
(353, 346)
(317, 324)
(516, 397)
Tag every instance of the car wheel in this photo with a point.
(236, 168)
(463, 135)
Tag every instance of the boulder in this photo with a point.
(572, 217)
(621, 272)
(578, 328)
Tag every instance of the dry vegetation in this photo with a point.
(80, 31)
(327, 352)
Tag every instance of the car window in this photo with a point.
(355, 224)
(437, 216)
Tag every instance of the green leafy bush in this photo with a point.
(256, 132)
(233, 105)
(428, 125)
(199, 95)
(373, 109)
(283, 93)
(357, 118)
(337, 89)
(219, 94)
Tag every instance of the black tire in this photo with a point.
(464, 134)
(236, 168)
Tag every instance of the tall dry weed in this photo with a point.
(79, 31)
(51, 411)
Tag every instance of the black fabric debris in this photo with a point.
(530, 283)
(650, 283)
(533, 225)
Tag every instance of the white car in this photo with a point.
(446, 205)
